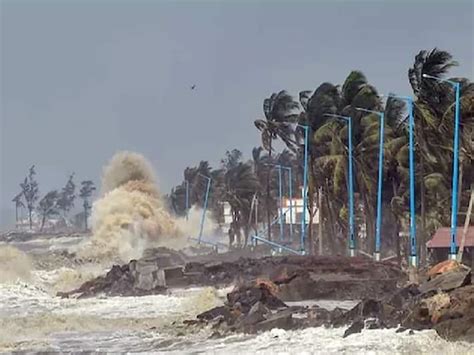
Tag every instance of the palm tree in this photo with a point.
(434, 127)
(86, 191)
(240, 187)
(329, 149)
(48, 206)
(279, 110)
(18, 204)
(325, 99)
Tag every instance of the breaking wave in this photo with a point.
(14, 265)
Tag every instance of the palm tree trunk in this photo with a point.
(311, 207)
(85, 215)
(30, 211)
(369, 224)
(422, 239)
(466, 225)
(332, 235)
(397, 227)
(43, 220)
(269, 219)
(320, 220)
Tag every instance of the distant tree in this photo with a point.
(30, 191)
(232, 159)
(67, 196)
(87, 188)
(48, 206)
(18, 204)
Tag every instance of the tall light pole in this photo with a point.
(351, 183)
(378, 225)
(411, 158)
(305, 187)
(454, 193)
(203, 217)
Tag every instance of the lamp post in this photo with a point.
(351, 183)
(455, 186)
(203, 217)
(305, 187)
(378, 225)
(411, 158)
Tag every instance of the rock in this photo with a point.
(173, 273)
(259, 307)
(456, 321)
(249, 294)
(355, 327)
(147, 275)
(447, 281)
(280, 320)
(442, 267)
(368, 308)
(215, 335)
(216, 312)
(401, 296)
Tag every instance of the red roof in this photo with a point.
(442, 237)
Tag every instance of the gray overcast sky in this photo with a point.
(83, 79)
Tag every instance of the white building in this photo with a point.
(293, 217)
(296, 211)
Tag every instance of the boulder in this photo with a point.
(216, 312)
(280, 320)
(147, 274)
(249, 294)
(447, 281)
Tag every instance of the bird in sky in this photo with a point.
(193, 87)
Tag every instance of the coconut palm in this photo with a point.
(434, 119)
(279, 110)
(18, 200)
(240, 187)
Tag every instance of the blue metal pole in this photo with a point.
(351, 193)
(280, 195)
(454, 197)
(305, 187)
(379, 191)
(187, 198)
(203, 217)
(413, 247)
(455, 186)
(290, 185)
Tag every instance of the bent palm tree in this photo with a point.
(279, 110)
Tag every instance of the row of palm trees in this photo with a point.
(434, 116)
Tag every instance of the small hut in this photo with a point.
(439, 245)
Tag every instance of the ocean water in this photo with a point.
(33, 319)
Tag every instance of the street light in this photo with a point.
(351, 184)
(454, 197)
(411, 140)
(380, 181)
(203, 217)
(305, 187)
